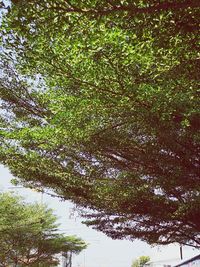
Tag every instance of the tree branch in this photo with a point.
(132, 8)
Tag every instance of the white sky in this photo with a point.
(102, 251)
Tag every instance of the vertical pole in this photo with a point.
(181, 252)
(41, 200)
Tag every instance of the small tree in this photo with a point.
(28, 234)
(141, 261)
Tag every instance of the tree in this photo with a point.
(28, 234)
(141, 261)
(100, 103)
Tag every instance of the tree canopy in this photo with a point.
(100, 102)
(28, 234)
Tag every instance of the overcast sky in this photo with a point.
(102, 251)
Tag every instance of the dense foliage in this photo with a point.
(28, 235)
(100, 101)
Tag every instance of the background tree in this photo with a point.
(141, 261)
(28, 234)
(100, 102)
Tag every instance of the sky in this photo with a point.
(102, 251)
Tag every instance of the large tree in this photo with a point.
(100, 103)
(28, 234)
